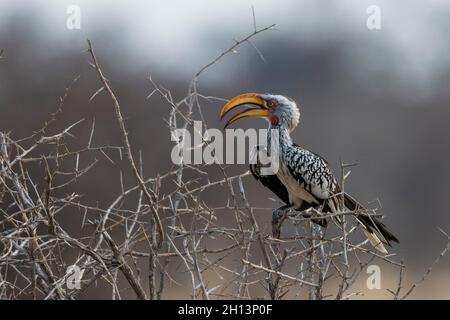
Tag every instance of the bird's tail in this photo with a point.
(375, 230)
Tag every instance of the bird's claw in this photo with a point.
(278, 216)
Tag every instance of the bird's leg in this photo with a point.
(278, 216)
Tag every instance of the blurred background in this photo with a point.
(379, 97)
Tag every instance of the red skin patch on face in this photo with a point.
(274, 120)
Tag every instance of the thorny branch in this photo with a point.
(118, 112)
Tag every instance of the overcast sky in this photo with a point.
(414, 32)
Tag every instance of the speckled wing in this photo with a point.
(310, 171)
(274, 184)
(313, 173)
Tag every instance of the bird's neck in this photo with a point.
(283, 135)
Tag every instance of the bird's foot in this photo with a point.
(278, 216)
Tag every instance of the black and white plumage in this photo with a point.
(304, 179)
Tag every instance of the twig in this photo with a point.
(123, 129)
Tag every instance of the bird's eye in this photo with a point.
(271, 103)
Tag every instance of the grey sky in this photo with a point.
(181, 34)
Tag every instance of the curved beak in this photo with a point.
(245, 99)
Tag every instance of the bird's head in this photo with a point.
(279, 110)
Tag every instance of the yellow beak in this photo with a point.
(243, 99)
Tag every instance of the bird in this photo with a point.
(304, 179)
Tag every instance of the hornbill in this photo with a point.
(304, 180)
